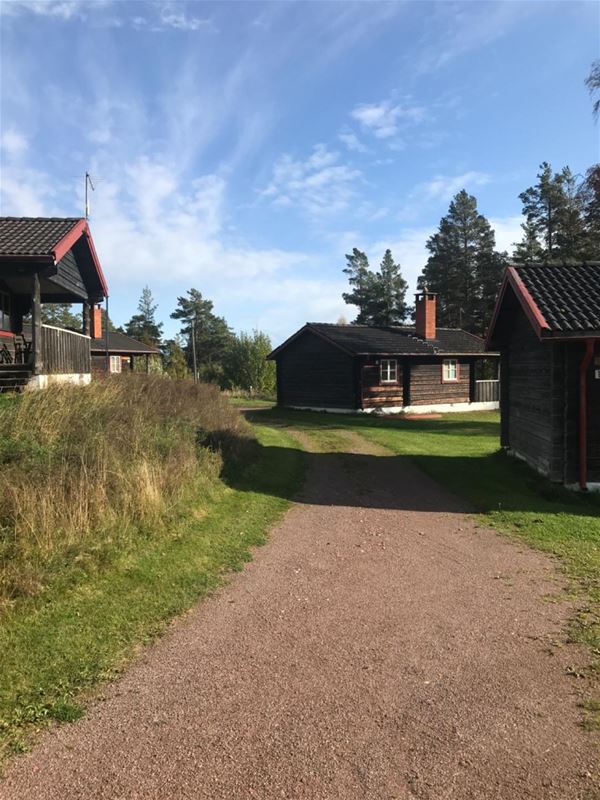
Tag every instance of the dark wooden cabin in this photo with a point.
(46, 260)
(114, 352)
(547, 328)
(361, 368)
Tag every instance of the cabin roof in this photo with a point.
(33, 236)
(393, 340)
(120, 343)
(560, 300)
(47, 240)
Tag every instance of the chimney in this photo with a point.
(425, 314)
(96, 322)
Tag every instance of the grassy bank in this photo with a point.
(461, 451)
(155, 527)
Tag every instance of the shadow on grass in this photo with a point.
(483, 483)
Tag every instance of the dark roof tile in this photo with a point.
(33, 236)
(369, 340)
(120, 343)
(568, 295)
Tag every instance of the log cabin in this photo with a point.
(114, 352)
(46, 260)
(359, 368)
(546, 326)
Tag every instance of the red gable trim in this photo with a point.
(66, 243)
(527, 302)
(529, 306)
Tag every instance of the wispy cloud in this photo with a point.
(320, 184)
(386, 119)
(352, 142)
(444, 187)
(61, 9)
(13, 142)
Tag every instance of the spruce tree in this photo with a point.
(463, 268)
(388, 303)
(589, 193)
(143, 325)
(361, 280)
(61, 316)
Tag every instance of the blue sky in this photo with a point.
(243, 148)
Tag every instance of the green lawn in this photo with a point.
(461, 451)
(251, 402)
(56, 646)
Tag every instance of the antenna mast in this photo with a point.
(88, 182)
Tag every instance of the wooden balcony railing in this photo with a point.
(64, 352)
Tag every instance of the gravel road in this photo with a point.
(379, 646)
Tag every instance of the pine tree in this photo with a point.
(388, 303)
(143, 325)
(213, 337)
(61, 316)
(553, 210)
(464, 268)
(528, 250)
(589, 193)
(593, 83)
(361, 279)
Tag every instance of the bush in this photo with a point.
(84, 471)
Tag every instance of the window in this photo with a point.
(389, 370)
(4, 311)
(115, 363)
(449, 370)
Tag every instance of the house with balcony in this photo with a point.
(46, 260)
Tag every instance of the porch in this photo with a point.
(64, 356)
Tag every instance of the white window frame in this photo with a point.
(450, 370)
(116, 365)
(388, 367)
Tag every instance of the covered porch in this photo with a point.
(46, 261)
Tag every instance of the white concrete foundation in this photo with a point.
(439, 408)
(43, 381)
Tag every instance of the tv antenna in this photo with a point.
(90, 185)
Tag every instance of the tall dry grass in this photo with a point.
(84, 471)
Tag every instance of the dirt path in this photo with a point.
(380, 646)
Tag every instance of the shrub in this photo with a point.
(84, 471)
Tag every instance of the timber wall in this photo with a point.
(313, 373)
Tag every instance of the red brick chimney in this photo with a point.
(96, 322)
(425, 314)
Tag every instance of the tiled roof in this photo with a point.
(33, 236)
(120, 343)
(365, 339)
(567, 295)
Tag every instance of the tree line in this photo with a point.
(561, 223)
(234, 361)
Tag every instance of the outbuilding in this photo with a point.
(350, 368)
(546, 326)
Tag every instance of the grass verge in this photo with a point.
(83, 628)
(461, 452)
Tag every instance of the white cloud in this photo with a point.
(318, 185)
(13, 142)
(385, 120)
(352, 142)
(62, 9)
(444, 187)
(172, 16)
(508, 231)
